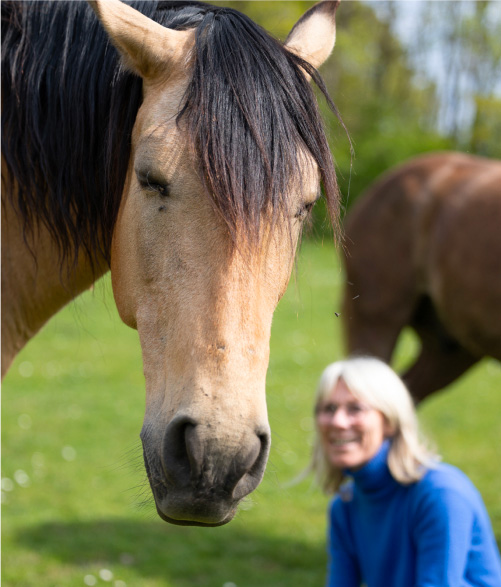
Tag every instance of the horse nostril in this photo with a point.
(192, 458)
(178, 460)
(256, 466)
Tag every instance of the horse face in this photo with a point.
(203, 308)
(203, 312)
(202, 303)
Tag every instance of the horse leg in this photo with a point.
(369, 332)
(435, 368)
(441, 360)
(380, 291)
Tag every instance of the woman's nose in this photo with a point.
(340, 418)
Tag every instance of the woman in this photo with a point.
(399, 519)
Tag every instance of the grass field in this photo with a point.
(76, 508)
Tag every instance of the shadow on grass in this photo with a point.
(182, 556)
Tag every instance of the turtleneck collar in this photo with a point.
(375, 478)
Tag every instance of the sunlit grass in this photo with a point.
(75, 504)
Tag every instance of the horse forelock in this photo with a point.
(67, 120)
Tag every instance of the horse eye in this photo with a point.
(150, 183)
(153, 186)
(305, 210)
(162, 189)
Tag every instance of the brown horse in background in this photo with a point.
(423, 249)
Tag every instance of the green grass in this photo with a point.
(72, 410)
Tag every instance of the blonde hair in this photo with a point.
(375, 383)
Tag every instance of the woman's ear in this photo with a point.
(389, 429)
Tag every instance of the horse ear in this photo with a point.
(314, 34)
(146, 46)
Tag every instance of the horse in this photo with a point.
(181, 146)
(422, 249)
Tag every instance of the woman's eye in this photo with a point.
(327, 409)
(354, 409)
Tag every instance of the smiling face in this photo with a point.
(351, 432)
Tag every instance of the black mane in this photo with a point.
(69, 108)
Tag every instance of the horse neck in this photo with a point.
(34, 284)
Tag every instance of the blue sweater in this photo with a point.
(433, 533)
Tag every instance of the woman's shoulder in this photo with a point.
(444, 476)
(444, 482)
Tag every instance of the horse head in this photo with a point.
(204, 243)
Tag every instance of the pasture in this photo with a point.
(77, 508)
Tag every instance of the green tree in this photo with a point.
(459, 43)
(374, 84)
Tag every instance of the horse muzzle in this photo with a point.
(200, 473)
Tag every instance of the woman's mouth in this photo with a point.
(342, 441)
